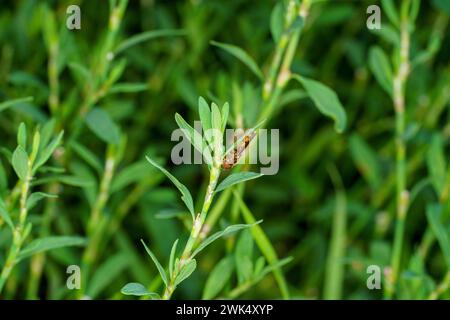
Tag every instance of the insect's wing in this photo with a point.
(241, 142)
(230, 157)
(249, 136)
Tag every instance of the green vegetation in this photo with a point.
(86, 177)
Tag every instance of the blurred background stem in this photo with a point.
(402, 194)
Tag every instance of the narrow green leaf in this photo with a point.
(22, 136)
(277, 265)
(228, 230)
(170, 214)
(218, 278)
(264, 245)
(47, 131)
(107, 273)
(49, 243)
(389, 34)
(157, 264)
(5, 215)
(236, 178)
(172, 257)
(415, 8)
(277, 21)
(205, 116)
(434, 212)
(20, 162)
(186, 271)
(10, 103)
(3, 179)
(145, 36)
(366, 160)
(381, 68)
(128, 88)
(35, 197)
(186, 195)
(240, 54)
(35, 146)
(103, 126)
(80, 73)
(117, 70)
(391, 11)
(48, 151)
(135, 172)
(74, 181)
(88, 156)
(434, 44)
(225, 111)
(244, 256)
(436, 163)
(137, 289)
(290, 96)
(334, 269)
(195, 138)
(259, 267)
(325, 100)
(216, 117)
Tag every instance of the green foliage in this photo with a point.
(185, 271)
(81, 109)
(220, 234)
(137, 289)
(240, 54)
(186, 195)
(381, 68)
(236, 178)
(218, 278)
(325, 100)
(161, 271)
(101, 124)
(20, 162)
(49, 243)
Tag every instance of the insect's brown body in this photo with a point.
(231, 158)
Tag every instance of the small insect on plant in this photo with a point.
(241, 143)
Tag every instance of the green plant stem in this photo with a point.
(20, 232)
(279, 51)
(428, 238)
(279, 73)
(216, 212)
(96, 220)
(277, 81)
(441, 288)
(38, 260)
(100, 67)
(236, 292)
(402, 195)
(52, 70)
(196, 230)
(334, 275)
(264, 245)
(234, 216)
(114, 222)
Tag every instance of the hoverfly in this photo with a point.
(233, 156)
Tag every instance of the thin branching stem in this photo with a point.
(20, 232)
(402, 195)
(195, 235)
